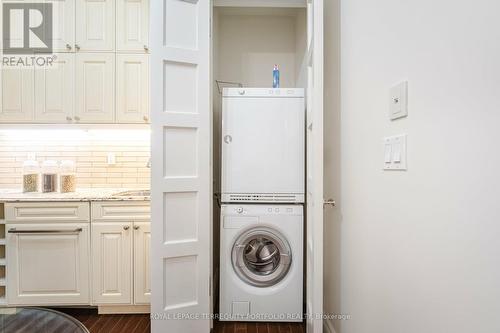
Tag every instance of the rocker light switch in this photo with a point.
(399, 101)
(395, 152)
(388, 153)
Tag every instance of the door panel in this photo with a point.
(142, 267)
(314, 119)
(55, 90)
(49, 267)
(132, 88)
(260, 162)
(112, 263)
(181, 163)
(95, 25)
(95, 87)
(63, 24)
(17, 94)
(132, 25)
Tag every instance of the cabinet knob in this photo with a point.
(146, 48)
(69, 118)
(146, 118)
(77, 47)
(77, 118)
(136, 227)
(126, 227)
(68, 47)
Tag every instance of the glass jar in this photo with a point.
(31, 176)
(67, 177)
(50, 170)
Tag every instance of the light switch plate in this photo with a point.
(399, 101)
(111, 158)
(395, 153)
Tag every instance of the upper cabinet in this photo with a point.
(95, 87)
(132, 25)
(100, 68)
(17, 95)
(63, 23)
(55, 90)
(132, 88)
(95, 25)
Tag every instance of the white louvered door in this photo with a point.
(181, 165)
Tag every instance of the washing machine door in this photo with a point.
(261, 257)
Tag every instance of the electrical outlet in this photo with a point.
(111, 159)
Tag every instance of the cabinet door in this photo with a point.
(132, 88)
(17, 94)
(63, 24)
(112, 263)
(95, 25)
(132, 25)
(48, 263)
(55, 90)
(142, 277)
(95, 88)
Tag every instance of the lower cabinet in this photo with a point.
(120, 260)
(142, 245)
(48, 263)
(112, 263)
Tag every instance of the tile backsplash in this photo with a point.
(87, 148)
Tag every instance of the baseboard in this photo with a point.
(328, 326)
(123, 309)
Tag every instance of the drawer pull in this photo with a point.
(15, 231)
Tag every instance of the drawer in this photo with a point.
(107, 211)
(47, 212)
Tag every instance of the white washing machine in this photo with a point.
(261, 263)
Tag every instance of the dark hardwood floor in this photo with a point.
(140, 324)
(230, 327)
(133, 323)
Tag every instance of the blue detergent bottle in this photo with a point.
(276, 77)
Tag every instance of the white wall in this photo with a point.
(420, 249)
(252, 40)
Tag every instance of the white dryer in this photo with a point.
(261, 263)
(263, 145)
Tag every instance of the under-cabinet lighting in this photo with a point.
(76, 134)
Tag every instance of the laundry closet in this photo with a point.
(246, 39)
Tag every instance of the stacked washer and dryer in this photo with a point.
(263, 149)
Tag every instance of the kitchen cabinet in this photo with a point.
(132, 88)
(17, 94)
(63, 23)
(48, 253)
(132, 25)
(121, 237)
(48, 263)
(95, 87)
(95, 25)
(142, 274)
(112, 262)
(96, 43)
(55, 90)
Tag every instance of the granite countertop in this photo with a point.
(81, 194)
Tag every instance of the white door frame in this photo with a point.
(314, 123)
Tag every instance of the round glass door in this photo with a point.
(261, 257)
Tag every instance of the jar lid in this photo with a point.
(30, 163)
(49, 163)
